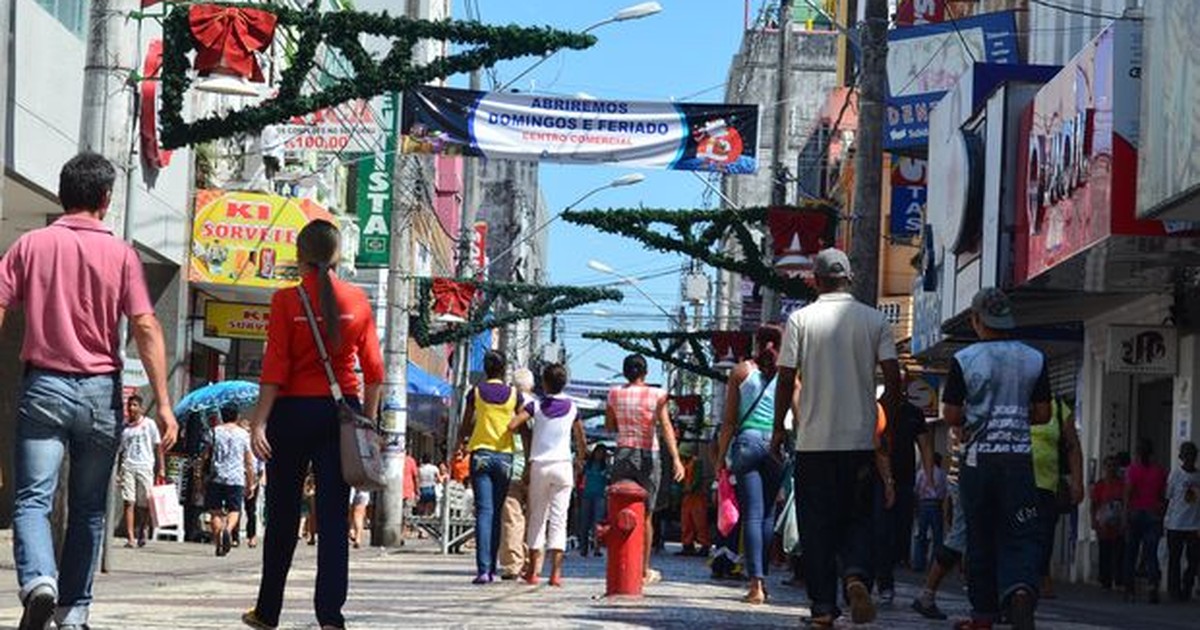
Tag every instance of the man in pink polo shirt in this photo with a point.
(74, 280)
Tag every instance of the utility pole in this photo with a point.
(388, 526)
(462, 350)
(868, 153)
(779, 141)
(106, 125)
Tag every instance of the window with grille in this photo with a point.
(892, 312)
(70, 13)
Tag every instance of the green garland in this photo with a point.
(698, 234)
(341, 30)
(520, 302)
(665, 346)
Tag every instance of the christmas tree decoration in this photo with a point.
(491, 305)
(704, 234)
(224, 36)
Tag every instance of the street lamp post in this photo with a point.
(635, 12)
(596, 265)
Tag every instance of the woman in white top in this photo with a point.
(551, 475)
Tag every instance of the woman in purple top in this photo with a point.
(551, 476)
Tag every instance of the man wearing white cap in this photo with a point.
(831, 348)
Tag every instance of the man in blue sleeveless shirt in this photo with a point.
(996, 390)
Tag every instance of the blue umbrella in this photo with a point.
(210, 397)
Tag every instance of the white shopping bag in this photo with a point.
(165, 510)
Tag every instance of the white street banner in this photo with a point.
(678, 136)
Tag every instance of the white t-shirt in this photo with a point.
(231, 444)
(552, 434)
(1183, 501)
(834, 345)
(138, 443)
(427, 475)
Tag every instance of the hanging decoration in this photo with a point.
(340, 32)
(452, 299)
(702, 235)
(153, 156)
(227, 38)
(730, 347)
(496, 305)
(666, 346)
(797, 234)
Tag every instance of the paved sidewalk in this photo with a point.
(179, 585)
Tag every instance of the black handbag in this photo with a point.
(359, 436)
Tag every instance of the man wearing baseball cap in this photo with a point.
(997, 388)
(831, 348)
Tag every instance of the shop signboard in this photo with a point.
(373, 208)
(680, 136)
(924, 62)
(248, 239)
(1143, 350)
(908, 196)
(924, 391)
(235, 320)
(1077, 155)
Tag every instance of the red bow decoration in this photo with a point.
(453, 298)
(687, 407)
(796, 234)
(228, 37)
(153, 156)
(731, 346)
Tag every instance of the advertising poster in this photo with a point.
(924, 62)
(677, 136)
(248, 239)
(234, 320)
(908, 196)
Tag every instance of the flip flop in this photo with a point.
(653, 576)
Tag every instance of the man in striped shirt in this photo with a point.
(635, 411)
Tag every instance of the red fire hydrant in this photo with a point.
(624, 533)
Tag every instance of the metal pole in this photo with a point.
(462, 353)
(779, 140)
(388, 525)
(868, 153)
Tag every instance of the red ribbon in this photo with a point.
(154, 156)
(451, 297)
(227, 37)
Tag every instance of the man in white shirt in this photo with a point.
(141, 459)
(830, 349)
(1183, 524)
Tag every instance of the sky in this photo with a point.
(682, 53)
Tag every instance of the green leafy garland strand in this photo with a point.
(522, 301)
(342, 30)
(665, 346)
(698, 235)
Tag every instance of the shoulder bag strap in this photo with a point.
(757, 399)
(334, 388)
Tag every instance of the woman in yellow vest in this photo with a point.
(491, 405)
(1050, 442)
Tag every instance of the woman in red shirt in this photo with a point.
(1145, 499)
(296, 421)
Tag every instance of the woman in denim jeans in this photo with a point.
(491, 405)
(1145, 502)
(748, 424)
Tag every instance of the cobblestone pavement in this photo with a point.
(176, 585)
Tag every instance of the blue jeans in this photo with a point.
(1145, 529)
(591, 511)
(929, 526)
(1003, 531)
(79, 417)
(758, 478)
(490, 472)
(835, 506)
(303, 431)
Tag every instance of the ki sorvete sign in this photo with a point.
(924, 62)
(233, 320)
(1143, 349)
(678, 136)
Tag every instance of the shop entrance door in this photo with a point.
(1154, 404)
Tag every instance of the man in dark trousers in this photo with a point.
(75, 281)
(997, 388)
(831, 349)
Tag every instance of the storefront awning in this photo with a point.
(425, 384)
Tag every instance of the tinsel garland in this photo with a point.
(665, 346)
(342, 30)
(519, 302)
(698, 235)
